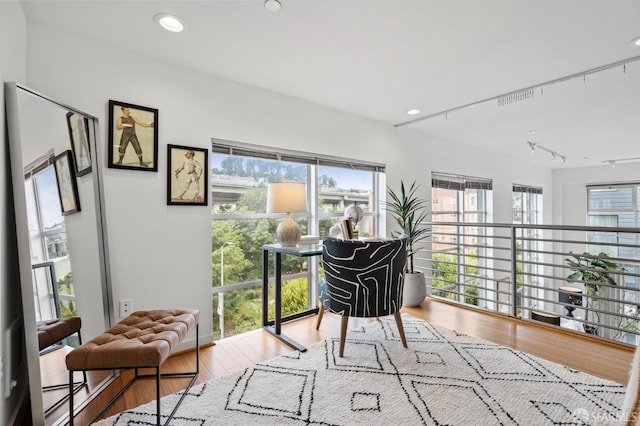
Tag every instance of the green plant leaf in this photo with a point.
(409, 212)
(574, 276)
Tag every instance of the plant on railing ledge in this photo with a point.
(592, 270)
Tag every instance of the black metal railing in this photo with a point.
(583, 278)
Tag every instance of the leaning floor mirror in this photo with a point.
(62, 247)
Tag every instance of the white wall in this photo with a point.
(426, 155)
(12, 67)
(161, 255)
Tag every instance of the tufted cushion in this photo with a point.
(363, 278)
(143, 339)
(52, 331)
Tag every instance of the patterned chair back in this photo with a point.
(363, 278)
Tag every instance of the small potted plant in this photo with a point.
(591, 271)
(410, 211)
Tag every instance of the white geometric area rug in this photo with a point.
(443, 378)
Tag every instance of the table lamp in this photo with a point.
(287, 197)
(572, 297)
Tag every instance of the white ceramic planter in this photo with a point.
(415, 289)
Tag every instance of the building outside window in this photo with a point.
(240, 225)
(617, 206)
(460, 263)
(527, 210)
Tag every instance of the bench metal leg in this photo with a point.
(77, 385)
(193, 374)
(70, 397)
(158, 395)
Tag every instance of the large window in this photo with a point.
(240, 226)
(527, 210)
(617, 206)
(460, 259)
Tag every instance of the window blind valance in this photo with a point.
(612, 185)
(222, 146)
(459, 182)
(527, 189)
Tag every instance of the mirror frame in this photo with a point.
(24, 253)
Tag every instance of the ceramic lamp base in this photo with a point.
(288, 233)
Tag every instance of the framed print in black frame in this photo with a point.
(133, 137)
(66, 181)
(187, 176)
(78, 126)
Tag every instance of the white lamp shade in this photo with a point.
(286, 197)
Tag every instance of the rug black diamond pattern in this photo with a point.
(443, 378)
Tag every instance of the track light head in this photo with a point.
(536, 147)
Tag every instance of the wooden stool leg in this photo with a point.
(320, 314)
(343, 334)
(400, 328)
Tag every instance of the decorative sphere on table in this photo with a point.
(354, 213)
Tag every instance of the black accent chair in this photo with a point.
(362, 279)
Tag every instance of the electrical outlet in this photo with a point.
(126, 307)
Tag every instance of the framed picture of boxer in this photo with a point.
(133, 137)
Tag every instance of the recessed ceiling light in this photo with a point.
(169, 22)
(272, 5)
(413, 111)
(635, 42)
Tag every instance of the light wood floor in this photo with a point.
(600, 358)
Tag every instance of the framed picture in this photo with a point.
(187, 176)
(133, 137)
(66, 181)
(78, 126)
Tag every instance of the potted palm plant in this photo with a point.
(410, 211)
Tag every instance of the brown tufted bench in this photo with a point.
(144, 339)
(51, 332)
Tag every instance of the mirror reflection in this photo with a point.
(67, 252)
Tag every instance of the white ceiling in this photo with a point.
(380, 58)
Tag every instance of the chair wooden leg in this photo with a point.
(343, 334)
(320, 314)
(400, 328)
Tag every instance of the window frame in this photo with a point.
(313, 216)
